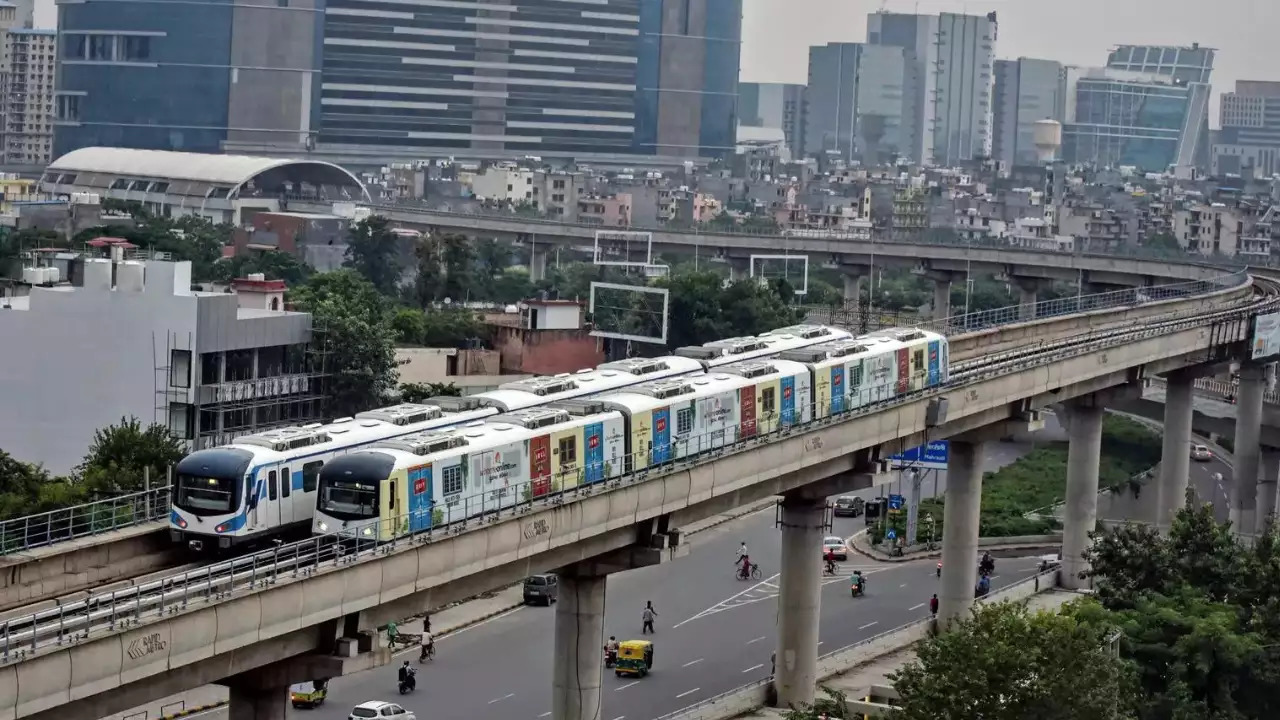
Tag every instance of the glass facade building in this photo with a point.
(1125, 122)
(1027, 90)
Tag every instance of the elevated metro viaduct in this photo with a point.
(308, 610)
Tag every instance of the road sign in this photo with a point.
(895, 502)
(934, 456)
(890, 534)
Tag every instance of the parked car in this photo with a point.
(541, 589)
(1201, 453)
(380, 710)
(848, 506)
(836, 545)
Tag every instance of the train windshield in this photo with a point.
(205, 495)
(348, 499)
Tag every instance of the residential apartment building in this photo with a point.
(1211, 228)
(30, 60)
(210, 366)
(600, 80)
(1249, 142)
(1026, 91)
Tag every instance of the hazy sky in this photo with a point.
(777, 33)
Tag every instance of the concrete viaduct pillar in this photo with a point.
(1028, 293)
(799, 600)
(538, 263)
(961, 515)
(1244, 483)
(1267, 487)
(1175, 457)
(578, 667)
(853, 288)
(941, 293)
(253, 703)
(1083, 454)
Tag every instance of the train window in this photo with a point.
(285, 483)
(918, 360)
(684, 421)
(568, 451)
(310, 472)
(855, 377)
(451, 480)
(769, 401)
(272, 491)
(391, 500)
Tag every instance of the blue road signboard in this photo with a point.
(890, 534)
(933, 457)
(895, 502)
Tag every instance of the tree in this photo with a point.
(457, 259)
(417, 392)
(122, 455)
(26, 489)
(275, 265)
(452, 328)
(354, 323)
(1005, 663)
(373, 251)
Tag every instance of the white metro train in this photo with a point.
(429, 478)
(264, 484)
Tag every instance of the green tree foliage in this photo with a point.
(1200, 615)
(448, 327)
(418, 392)
(449, 269)
(275, 265)
(355, 325)
(26, 489)
(703, 309)
(190, 238)
(122, 455)
(458, 259)
(1006, 663)
(374, 252)
(833, 704)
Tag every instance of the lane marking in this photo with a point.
(619, 717)
(692, 662)
(916, 607)
(902, 585)
(687, 692)
(756, 640)
(545, 714)
(624, 687)
(504, 697)
(753, 667)
(864, 627)
(459, 631)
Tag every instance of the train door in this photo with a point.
(421, 493)
(821, 393)
(856, 377)
(593, 453)
(660, 451)
(904, 370)
(272, 515)
(253, 501)
(788, 408)
(935, 375)
(838, 389)
(540, 465)
(747, 401)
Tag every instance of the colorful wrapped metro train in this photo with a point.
(266, 484)
(434, 477)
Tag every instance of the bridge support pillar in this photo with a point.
(1267, 487)
(538, 264)
(1028, 291)
(799, 598)
(579, 637)
(853, 288)
(255, 703)
(1083, 454)
(941, 297)
(1175, 456)
(960, 532)
(1244, 482)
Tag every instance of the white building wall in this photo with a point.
(961, 84)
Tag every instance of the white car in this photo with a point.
(835, 545)
(1201, 453)
(381, 710)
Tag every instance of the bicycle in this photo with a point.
(754, 574)
(428, 652)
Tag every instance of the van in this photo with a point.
(541, 589)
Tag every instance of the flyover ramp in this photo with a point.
(200, 628)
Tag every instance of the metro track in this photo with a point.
(75, 617)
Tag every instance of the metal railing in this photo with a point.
(55, 526)
(691, 712)
(128, 607)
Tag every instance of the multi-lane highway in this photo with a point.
(714, 633)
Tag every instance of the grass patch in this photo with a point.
(1038, 480)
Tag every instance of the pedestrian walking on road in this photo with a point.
(648, 616)
(933, 605)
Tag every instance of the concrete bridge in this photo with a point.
(312, 609)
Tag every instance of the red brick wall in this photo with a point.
(546, 352)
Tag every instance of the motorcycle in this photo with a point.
(610, 658)
(408, 684)
(857, 589)
(939, 569)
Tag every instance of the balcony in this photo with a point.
(250, 390)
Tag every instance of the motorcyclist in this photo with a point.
(407, 676)
(984, 585)
(859, 581)
(987, 565)
(611, 652)
(939, 568)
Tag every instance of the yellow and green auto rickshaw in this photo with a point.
(635, 657)
(309, 694)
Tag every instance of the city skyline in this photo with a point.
(1028, 28)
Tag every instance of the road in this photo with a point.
(714, 633)
(1211, 481)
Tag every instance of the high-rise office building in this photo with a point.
(949, 62)
(29, 59)
(364, 81)
(1184, 64)
(773, 105)
(854, 100)
(1026, 91)
(1249, 142)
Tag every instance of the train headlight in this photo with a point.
(368, 530)
(182, 523)
(324, 527)
(221, 528)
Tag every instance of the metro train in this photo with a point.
(263, 485)
(418, 481)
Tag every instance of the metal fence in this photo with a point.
(70, 622)
(55, 526)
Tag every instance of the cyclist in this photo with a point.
(744, 571)
(830, 559)
(428, 646)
